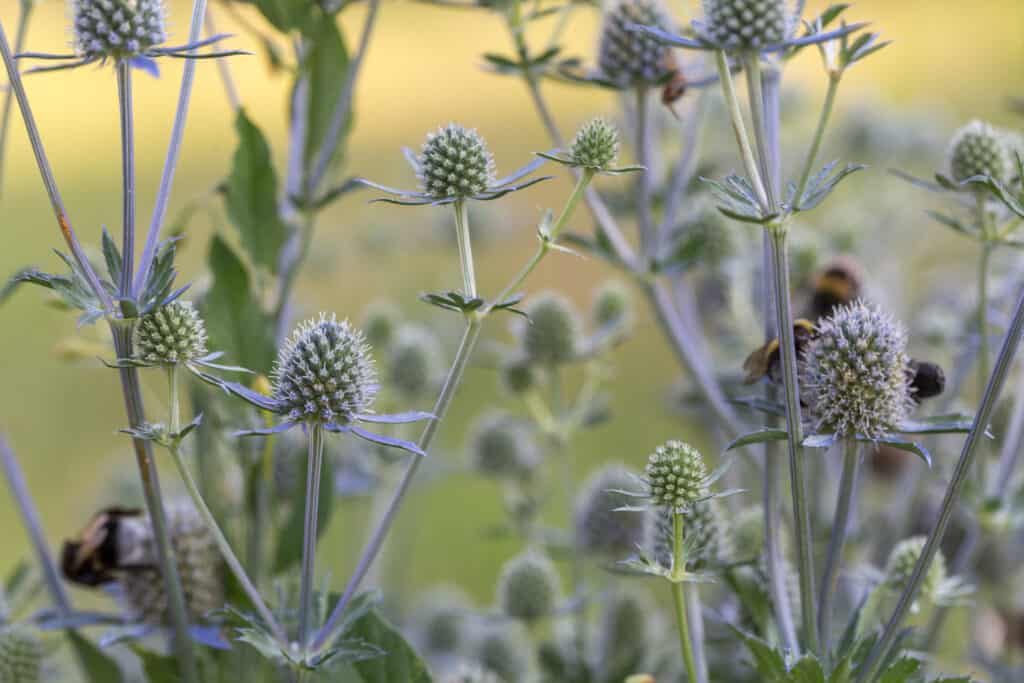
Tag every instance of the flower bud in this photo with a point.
(748, 24)
(613, 305)
(455, 162)
(415, 361)
(596, 145)
(676, 475)
(505, 651)
(552, 335)
(324, 372)
(980, 149)
(117, 29)
(440, 620)
(528, 588)
(518, 376)
(601, 528)
(501, 447)
(902, 560)
(854, 373)
(380, 320)
(171, 334)
(21, 655)
(630, 58)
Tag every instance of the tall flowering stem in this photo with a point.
(840, 526)
(314, 471)
(124, 97)
(679, 600)
(24, 15)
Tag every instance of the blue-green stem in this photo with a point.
(644, 146)
(465, 248)
(819, 134)
(999, 484)
(224, 69)
(314, 471)
(24, 14)
(695, 617)
(964, 466)
(124, 98)
(739, 128)
(679, 599)
(223, 544)
(755, 87)
(840, 525)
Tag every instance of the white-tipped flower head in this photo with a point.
(980, 149)
(199, 567)
(613, 305)
(171, 334)
(596, 145)
(601, 527)
(748, 24)
(624, 629)
(518, 376)
(415, 361)
(528, 587)
(117, 29)
(440, 620)
(505, 651)
(21, 655)
(553, 332)
(676, 475)
(855, 373)
(902, 560)
(455, 162)
(380, 321)
(324, 372)
(467, 673)
(627, 57)
(501, 447)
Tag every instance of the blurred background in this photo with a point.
(950, 61)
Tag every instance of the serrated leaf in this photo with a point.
(327, 70)
(252, 196)
(399, 663)
(807, 670)
(901, 671)
(768, 661)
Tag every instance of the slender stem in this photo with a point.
(695, 616)
(451, 385)
(124, 98)
(343, 104)
(819, 135)
(739, 129)
(840, 526)
(964, 466)
(777, 584)
(999, 485)
(465, 248)
(684, 169)
(155, 507)
(645, 179)
(24, 15)
(34, 527)
(314, 467)
(784, 322)
(223, 68)
(752, 67)
(63, 222)
(223, 544)
(258, 526)
(173, 152)
(983, 304)
(682, 619)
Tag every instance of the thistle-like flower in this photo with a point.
(596, 145)
(380, 321)
(854, 373)
(504, 650)
(627, 58)
(552, 335)
(748, 24)
(455, 165)
(528, 587)
(415, 361)
(170, 335)
(979, 149)
(501, 447)
(676, 476)
(625, 629)
(518, 376)
(21, 655)
(440, 621)
(938, 587)
(602, 527)
(612, 308)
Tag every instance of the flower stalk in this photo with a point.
(24, 15)
(314, 470)
(679, 600)
(837, 539)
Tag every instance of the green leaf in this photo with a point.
(251, 196)
(759, 436)
(98, 667)
(234, 320)
(807, 670)
(289, 544)
(158, 668)
(285, 15)
(768, 661)
(400, 663)
(901, 671)
(327, 69)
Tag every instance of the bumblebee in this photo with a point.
(926, 379)
(115, 540)
(839, 283)
(767, 362)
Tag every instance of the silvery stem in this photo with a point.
(314, 470)
(224, 69)
(840, 526)
(124, 98)
(645, 179)
(5, 117)
(999, 486)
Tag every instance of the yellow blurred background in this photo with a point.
(952, 58)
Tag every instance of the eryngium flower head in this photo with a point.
(601, 527)
(528, 587)
(980, 149)
(747, 24)
(440, 620)
(455, 162)
(900, 567)
(117, 29)
(415, 361)
(502, 447)
(171, 334)
(21, 655)
(504, 650)
(676, 475)
(199, 568)
(631, 58)
(380, 321)
(324, 373)
(467, 673)
(596, 145)
(553, 332)
(624, 629)
(854, 373)
(613, 305)
(518, 376)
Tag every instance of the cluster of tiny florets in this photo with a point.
(505, 651)
(902, 560)
(501, 447)
(518, 376)
(601, 526)
(980, 149)
(676, 475)
(596, 145)
(613, 305)
(747, 24)
(171, 334)
(455, 162)
(440, 621)
(528, 587)
(552, 335)
(628, 57)
(415, 361)
(21, 655)
(324, 372)
(117, 28)
(855, 373)
(199, 568)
